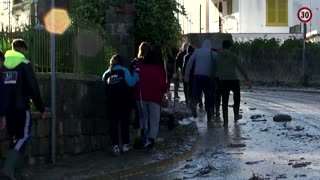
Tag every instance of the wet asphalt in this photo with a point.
(256, 147)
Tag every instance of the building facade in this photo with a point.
(246, 16)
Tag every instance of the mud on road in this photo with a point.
(256, 147)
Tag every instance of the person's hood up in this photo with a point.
(184, 46)
(13, 59)
(190, 49)
(206, 44)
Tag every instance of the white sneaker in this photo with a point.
(115, 150)
(126, 148)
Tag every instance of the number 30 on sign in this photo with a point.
(304, 14)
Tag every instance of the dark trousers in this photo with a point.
(225, 87)
(18, 127)
(119, 117)
(202, 84)
(216, 96)
(186, 90)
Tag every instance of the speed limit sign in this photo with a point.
(304, 14)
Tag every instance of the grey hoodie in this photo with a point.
(204, 61)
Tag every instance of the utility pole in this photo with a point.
(200, 19)
(9, 15)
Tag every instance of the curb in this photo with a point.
(146, 167)
(311, 91)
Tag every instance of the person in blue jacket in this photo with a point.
(117, 81)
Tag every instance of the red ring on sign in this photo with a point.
(304, 8)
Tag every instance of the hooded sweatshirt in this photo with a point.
(2, 101)
(20, 83)
(203, 59)
(181, 55)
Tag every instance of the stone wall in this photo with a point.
(81, 124)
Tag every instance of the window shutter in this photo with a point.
(282, 12)
(271, 12)
(229, 7)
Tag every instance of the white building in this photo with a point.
(14, 13)
(246, 16)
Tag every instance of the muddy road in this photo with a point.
(256, 146)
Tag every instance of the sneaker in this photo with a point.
(115, 150)
(126, 148)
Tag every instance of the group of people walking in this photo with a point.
(142, 87)
(138, 90)
(213, 73)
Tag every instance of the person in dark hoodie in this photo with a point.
(202, 78)
(20, 84)
(2, 102)
(117, 81)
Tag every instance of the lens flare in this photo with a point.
(57, 21)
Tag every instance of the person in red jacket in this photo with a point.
(151, 87)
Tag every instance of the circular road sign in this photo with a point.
(304, 14)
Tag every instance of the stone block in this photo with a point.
(42, 128)
(4, 147)
(60, 145)
(72, 127)
(40, 146)
(3, 134)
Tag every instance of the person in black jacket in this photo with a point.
(178, 65)
(20, 84)
(2, 102)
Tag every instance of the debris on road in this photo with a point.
(282, 118)
(257, 116)
(251, 109)
(237, 145)
(253, 162)
(299, 165)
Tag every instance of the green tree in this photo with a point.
(155, 20)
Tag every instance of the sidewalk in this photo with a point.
(172, 146)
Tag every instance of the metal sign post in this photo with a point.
(304, 15)
(53, 88)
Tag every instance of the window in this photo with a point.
(17, 2)
(229, 7)
(277, 12)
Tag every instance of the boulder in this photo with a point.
(282, 118)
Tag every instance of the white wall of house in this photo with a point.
(248, 16)
(253, 16)
(13, 18)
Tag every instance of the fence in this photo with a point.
(79, 50)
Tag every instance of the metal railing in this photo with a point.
(70, 58)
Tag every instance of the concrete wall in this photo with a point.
(196, 39)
